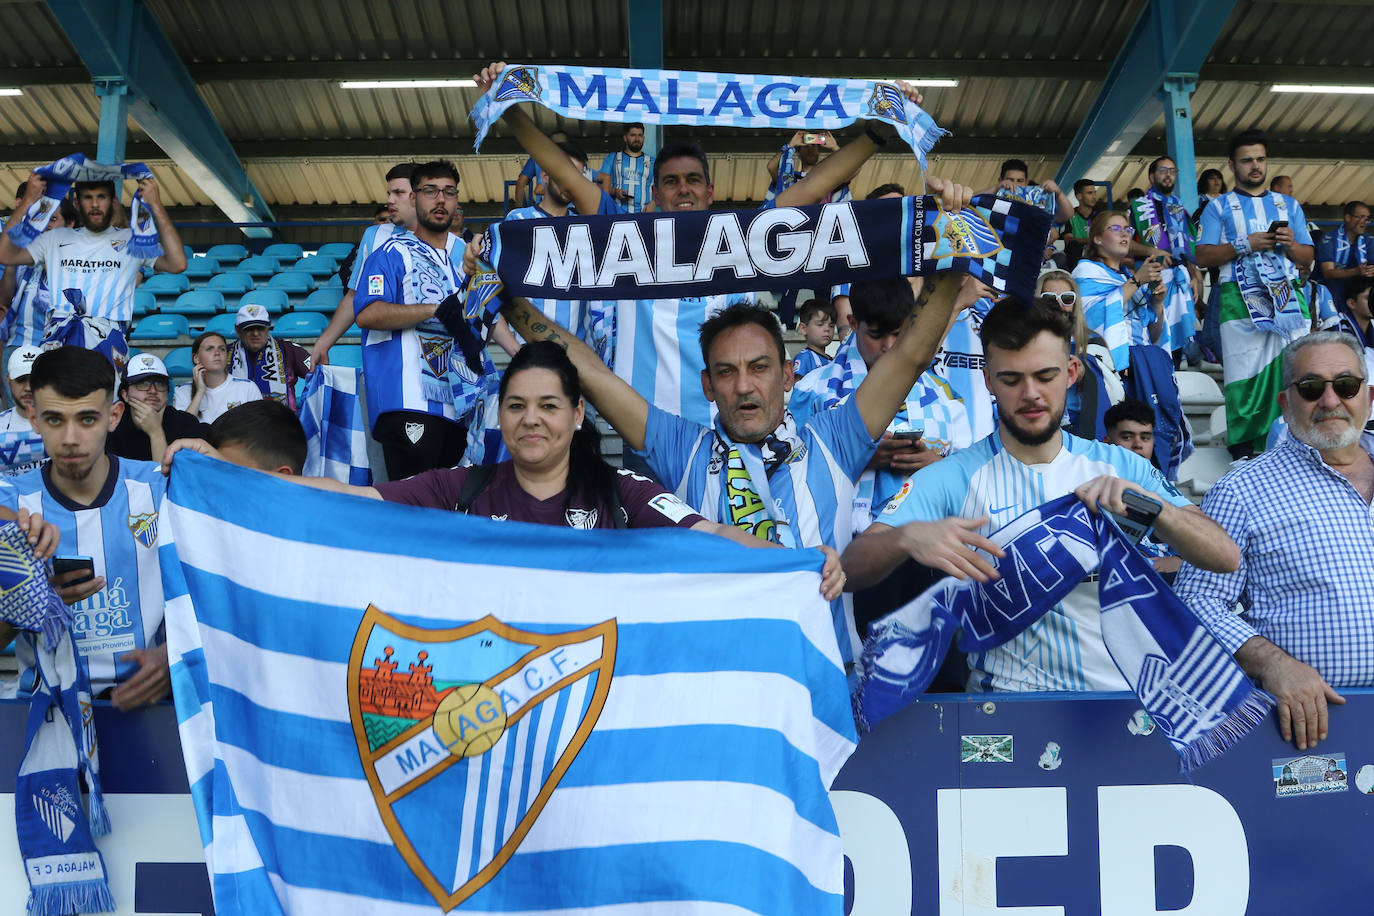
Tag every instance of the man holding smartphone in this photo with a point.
(1259, 239)
(941, 517)
(106, 509)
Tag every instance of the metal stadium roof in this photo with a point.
(269, 72)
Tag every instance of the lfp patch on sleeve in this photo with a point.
(671, 507)
(374, 285)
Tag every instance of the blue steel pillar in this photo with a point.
(646, 51)
(1176, 96)
(114, 120)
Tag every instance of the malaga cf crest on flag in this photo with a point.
(464, 734)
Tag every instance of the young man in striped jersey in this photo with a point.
(92, 266)
(106, 509)
(1261, 309)
(628, 174)
(946, 510)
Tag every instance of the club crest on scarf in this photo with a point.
(15, 570)
(888, 103)
(448, 719)
(965, 234)
(144, 529)
(519, 83)
(436, 350)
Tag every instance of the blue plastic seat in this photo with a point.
(144, 303)
(223, 324)
(347, 355)
(178, 363)
(300, 324)
(200, 269)
(317, 265)
(283, 252)
(227, 255)
(231, 283)
(297, 284)
(161, 327)
(190, 252)
(274, 300)
(259, 266)
(166, 287)
(324, 300)
(332, 282)
(198, 302)
(336, 250)
(353, 333)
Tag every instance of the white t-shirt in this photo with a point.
(93, 269)
(230, 393)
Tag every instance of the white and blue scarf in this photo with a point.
(78, 329)
(741, 471)
(708, 253)
(267, 369)
(67, 171)
(706, 100)
(1031, 194)
(56, 838)
(1106, 311)
(20, 451)
(1187, 681)
(1266, 281)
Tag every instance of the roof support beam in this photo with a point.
(127, 52)
(1170, 37)
(646, 52)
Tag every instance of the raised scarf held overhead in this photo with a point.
(67, 171)
(706, 100)
(1187, 681)
(65, 870)
(655, 255)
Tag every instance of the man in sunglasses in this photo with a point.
(1300, 514)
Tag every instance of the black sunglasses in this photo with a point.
(1312, 389)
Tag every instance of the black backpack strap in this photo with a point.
(478, 477)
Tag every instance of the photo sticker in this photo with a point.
(1311, 774)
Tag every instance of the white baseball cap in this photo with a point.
(144, 365)
(21, 362)
(252, 314)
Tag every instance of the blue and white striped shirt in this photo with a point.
(119, 533)
(1234, 214)
(960, 360)
(1305, 580)
(631, 173)
(1063, 650)
(93, 270)
(812, 492)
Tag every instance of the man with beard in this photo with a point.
(794, 161)
(106, 509)
(148, 422)
(1163, 230)
(949, 507)
(90, 268)
(627, 174)
(1300, 513)
(405, 349)
(1343, 254)
(1259, 239)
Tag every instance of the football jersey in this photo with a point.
(28, 312)
(634, 174)
(960, 361)
(1063, 650)
(1234, 214)
(119, 533)
(90, 270)
(808, 360)
(373, 238)
(407, 369)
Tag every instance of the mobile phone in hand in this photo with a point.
(62, 565)
(1141, 512)
(812, 138)
(1158, 284)
(1276, 225)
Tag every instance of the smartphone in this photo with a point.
(1278, 224)
(811, 138)
(1158, 284)
(909, 435)
(62, 565)
(1141, 512)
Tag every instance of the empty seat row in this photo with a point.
(292, 324)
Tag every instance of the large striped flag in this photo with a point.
(386, 710)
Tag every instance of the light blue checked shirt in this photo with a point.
(1306, 580)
